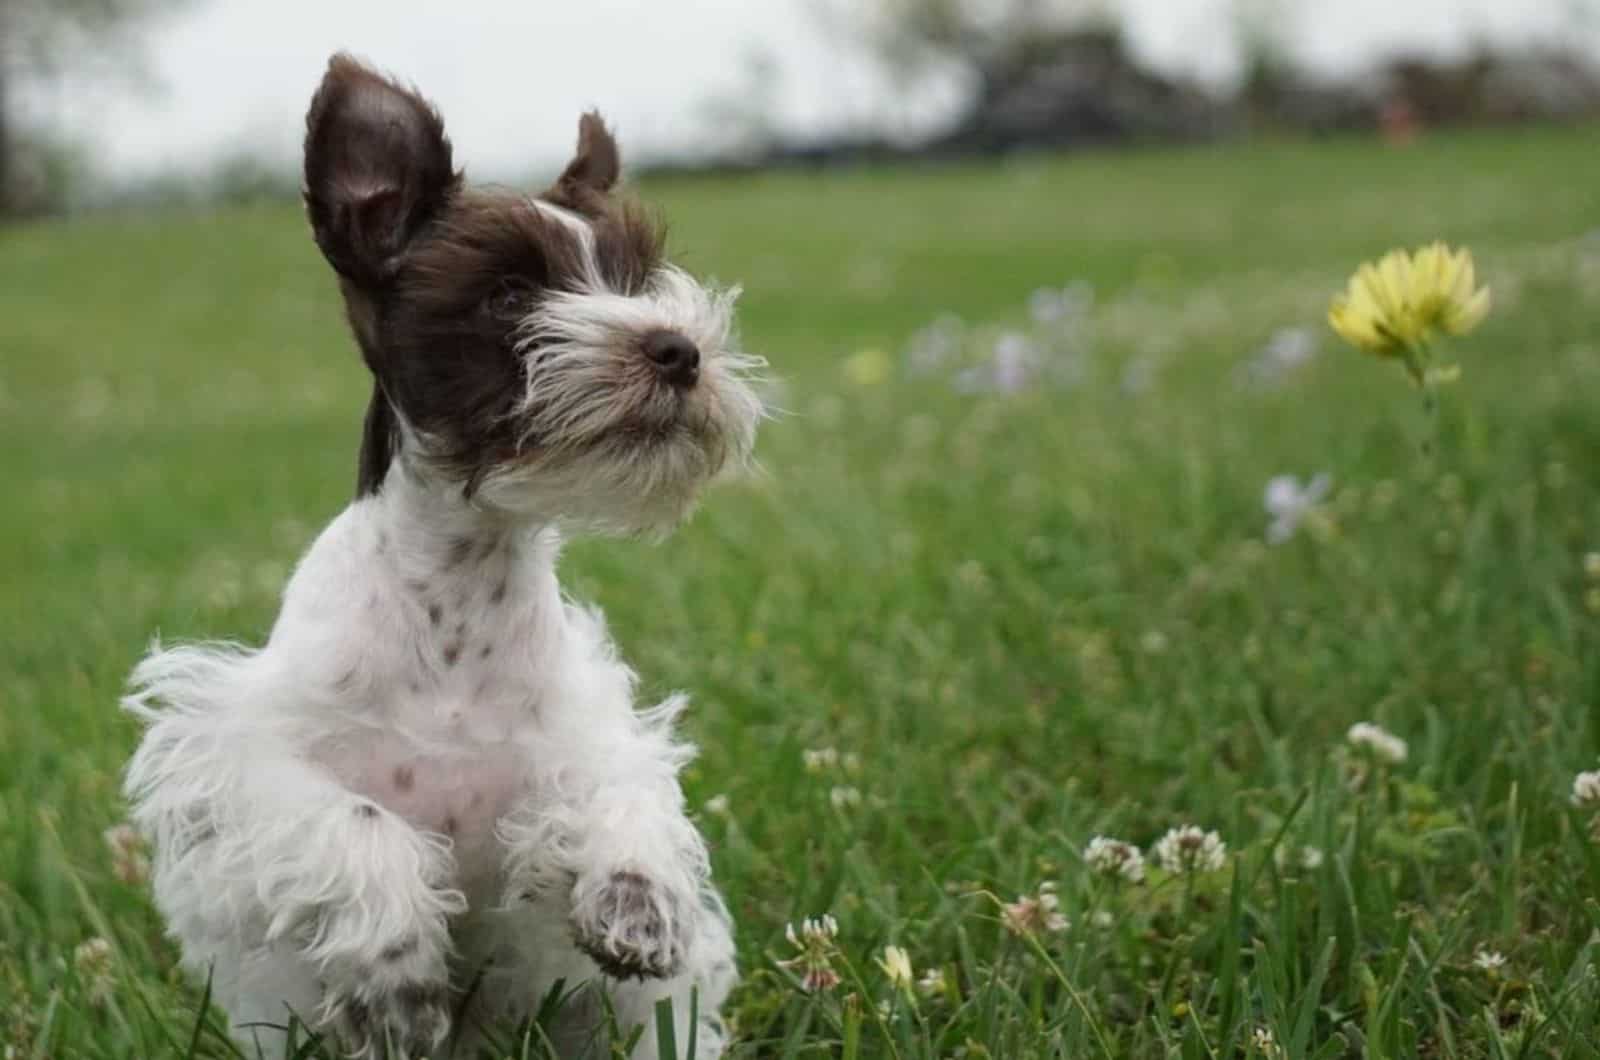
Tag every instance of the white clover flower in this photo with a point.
(1379, 741)
(1035, 914)
(844, 797)
(1264, 1043)
(814, 962)
(1306, 857)
(1102, 919)
(718, 805)
(1288, 504)
(1113, 857)
(896, 965)
(130, 859)
(820, 759)
(932, 983)
(1490, 961)
(92, 961)
(812, 929)
(1187, 849)
(1586, 789)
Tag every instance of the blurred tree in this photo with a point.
(1036, 73)
(990, 39)
(41, 40)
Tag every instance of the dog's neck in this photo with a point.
(438, 536)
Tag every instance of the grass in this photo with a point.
(1021, 620)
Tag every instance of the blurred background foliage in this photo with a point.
(1029, 75)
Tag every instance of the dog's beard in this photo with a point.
(604, 443)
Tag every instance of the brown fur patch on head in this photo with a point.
(377, 168)
(447, 355)
(594, 169)
(437, 278)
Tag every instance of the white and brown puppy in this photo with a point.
(430, 797)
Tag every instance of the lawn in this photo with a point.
(950, 633)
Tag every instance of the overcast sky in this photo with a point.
(232, 76)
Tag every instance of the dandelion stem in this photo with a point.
(1418, 362)
(1430, 412)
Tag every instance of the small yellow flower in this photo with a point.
(896, 965)
(1396, 306)
(869, 367)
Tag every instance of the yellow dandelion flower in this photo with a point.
(1443, 284)
(1397, 306)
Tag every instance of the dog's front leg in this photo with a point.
(606, 830)
(259, 851)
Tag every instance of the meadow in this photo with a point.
(977, 608)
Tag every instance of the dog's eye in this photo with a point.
(506, 301)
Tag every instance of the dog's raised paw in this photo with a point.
(404, 1021)
(632, 927)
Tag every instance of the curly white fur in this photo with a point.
(432, 771)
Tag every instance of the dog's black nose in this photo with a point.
(675, 357)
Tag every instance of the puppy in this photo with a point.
(429, 799)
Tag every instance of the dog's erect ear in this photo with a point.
(377, 168)
(597, 165)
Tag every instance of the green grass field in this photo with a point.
(1021, 620)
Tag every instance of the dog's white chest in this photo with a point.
(459, 792)
(443, 725)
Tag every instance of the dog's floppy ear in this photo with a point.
(596, 165)
(377, 168)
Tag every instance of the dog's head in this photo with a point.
(539, 350)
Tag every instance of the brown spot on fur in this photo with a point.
(367, 810)
(452, 652)
(451, 824)
(202, 835)
(401, 950)
(499, 593)
(486, 651)
(435, 614)
(404, 778)
(416, 995)
(358, 1016)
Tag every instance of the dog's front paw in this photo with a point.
(632, 926)
(391, 1021)
(388, 998)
